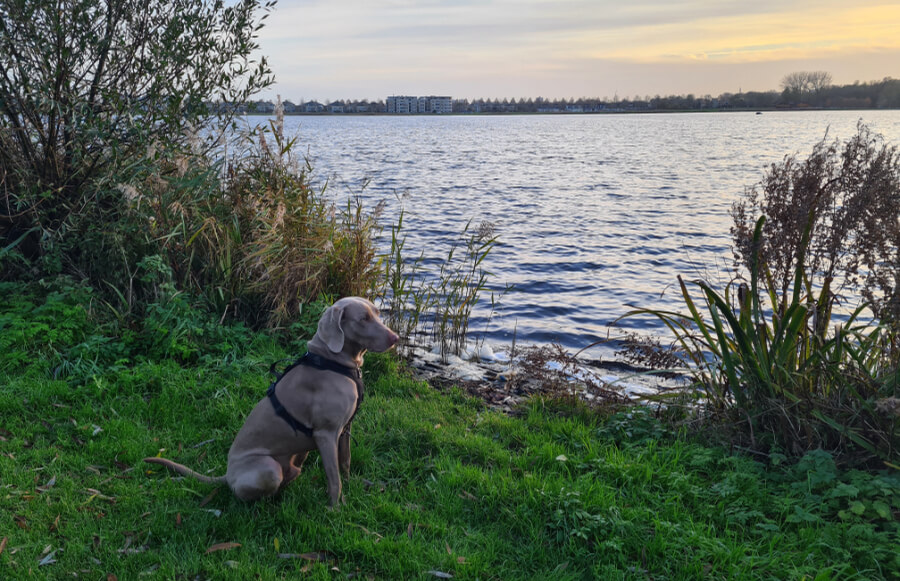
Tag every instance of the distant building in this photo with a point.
(404, 104)
(434, 104)
(262, 107)
(313, 107)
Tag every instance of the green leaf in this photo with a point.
(842, 490)
(883, 510)
(801, 515)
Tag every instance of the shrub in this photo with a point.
(851, 191)
(771, 356)
(103, 172)
(783, 376)
(90, 92)
(258, 242)
(299, 245)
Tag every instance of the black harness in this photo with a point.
(317, 362)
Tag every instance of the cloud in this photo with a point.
(513, 45)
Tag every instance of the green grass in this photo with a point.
(439, 485)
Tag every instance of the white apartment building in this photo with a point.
(402, 104)
(431, 104)
(434, 104)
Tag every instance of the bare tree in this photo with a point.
(795, 85)
(817, 81)
(803, 85)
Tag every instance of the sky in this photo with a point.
(369, 49)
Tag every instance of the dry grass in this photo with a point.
(256, 239)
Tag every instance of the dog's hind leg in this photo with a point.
(253, 480)
(293, 468)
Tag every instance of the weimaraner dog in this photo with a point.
(316, 400)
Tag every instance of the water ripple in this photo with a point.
(594, 212)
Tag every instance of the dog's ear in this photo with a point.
(330, 328)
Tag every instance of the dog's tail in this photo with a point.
(185, 471)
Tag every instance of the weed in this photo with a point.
(42, 322)
(552, 371)
(637, 425)
(649, 352)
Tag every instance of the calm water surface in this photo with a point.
(594, 212)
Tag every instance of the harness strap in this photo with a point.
(318, 362)
(282, 413)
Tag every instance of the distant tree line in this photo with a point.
(802, 89)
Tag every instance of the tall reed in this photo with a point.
(439, 305)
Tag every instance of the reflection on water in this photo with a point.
(594, 212)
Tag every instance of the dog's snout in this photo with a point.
(392, 338)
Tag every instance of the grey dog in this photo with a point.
(315, 402)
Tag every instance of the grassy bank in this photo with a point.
(439, 486)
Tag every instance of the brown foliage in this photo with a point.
(258, 242)
(553, 371)
(852, 193)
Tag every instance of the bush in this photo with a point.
(785, 378)
(769, 355)
(90, 91)
(236, 225)
(259, 242)
(103, 173)
(851, 193)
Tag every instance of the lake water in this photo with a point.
(594, 212)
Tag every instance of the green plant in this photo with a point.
(572, 522)
(91, 90)
(257, 243)
(41, 320)
(404, 296)
(778, 369)
(438, 304)
(458, 285)
(294, 245)
(845, 199)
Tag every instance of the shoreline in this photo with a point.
(503, 383)
(753, 110)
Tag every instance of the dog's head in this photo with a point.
(354, 322)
